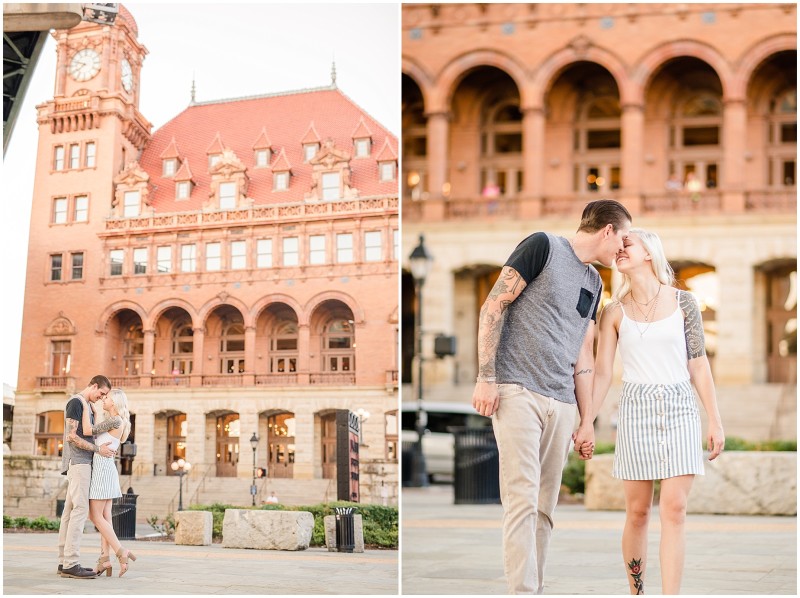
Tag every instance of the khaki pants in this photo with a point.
(76, 510)
(533, 437)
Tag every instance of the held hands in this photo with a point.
(485, 398)
(583, 438)
(106, 451)
(716, 441)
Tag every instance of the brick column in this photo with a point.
(438, 133)
(306, 444)
(533, 156)
(734, 361)
(148, 352)
(196, 441)
(248, 423)
(632, 151)
(734, 129)
(198, 350)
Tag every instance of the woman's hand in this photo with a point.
(716, 440)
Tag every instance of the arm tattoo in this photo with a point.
(587, 371)
(490, 323)
(692, 326)
(74, 439)
(111, 423)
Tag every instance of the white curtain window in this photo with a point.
(170, 167)
(81, 208)
(58, 158)
(188, 258)
(90, 159)
(264, 253)
(164, 259)
(344, 248)
(116, 257)
(74, 156)
(309, 151)
(362, 148)
(291, 251)
(281, 181)
(213, 257)
(238, 255)
(387, 171)
(372, 246)
(140, 260)
(77, 266)
(59, 210)
(262, 158)
(182, 190)
(227, 196)
(316, 249)
(131, 204)
(330, 185)
(56, 266)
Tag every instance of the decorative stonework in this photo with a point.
(330, 159)
(132, 178)
(61, 326)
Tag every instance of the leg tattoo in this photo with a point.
(636, 573)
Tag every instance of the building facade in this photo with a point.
(235, 272)
(517, 115)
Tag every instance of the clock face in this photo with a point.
(126, 75)
(84, 65)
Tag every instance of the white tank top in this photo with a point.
(659, 355)
(104, 437)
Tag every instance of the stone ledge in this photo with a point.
(267, 530)
(194, 528)
(736, 483)
(330, 533)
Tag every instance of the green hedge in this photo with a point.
(41, 523)
(380, 523)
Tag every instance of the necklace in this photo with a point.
(646, 302)
(650, 313)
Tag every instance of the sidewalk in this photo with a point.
(30, 561)
(457, 549)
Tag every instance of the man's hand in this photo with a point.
(105, 451)
(584, 441)
(485, 398)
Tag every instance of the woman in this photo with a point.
(105, 481)
(660, 334)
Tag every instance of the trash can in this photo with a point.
(476, 468)
(345, 529)
(123, 516)
(407, 463)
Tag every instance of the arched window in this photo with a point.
(415, 141)
(231, 348)
(782, 141)
(695, 140)
(182, 349)
(50, 433)
(338, 346)
(501, 148)
(283, 348)
(597, 142)
(133, 349)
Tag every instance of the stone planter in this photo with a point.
(194, 528)
(736, 483)
(267, 530)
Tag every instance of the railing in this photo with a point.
(339, 379)
(271, 213)
(276, 380)
(162, 381)
(481, 207)
(54, 382)
(223, 380)
(771, 200)
(682, 202)
(124, 382)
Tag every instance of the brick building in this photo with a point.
(235, 272)
(516, 115)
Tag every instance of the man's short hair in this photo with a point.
(597, 214)
(101, 381)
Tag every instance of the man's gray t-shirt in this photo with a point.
(72, 454)
(545, 325)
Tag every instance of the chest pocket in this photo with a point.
(584, 302)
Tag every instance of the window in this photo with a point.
(213, 256)
(164, 259)
(391, 434)
(782, 140)
(50, 433)
(56, 266)
(316, 249)
(140, 260)
(77, 266)
(291, 249)
(182, 190)
(232, 349)
(182, 348)
(264, 253)
(344, 248)
(59, 210)
(362, 148)
(60, 358)
(396, 244)
(283, 347)
(227, 196)
(500, 145)
(280, 181)
(131, 204)
(81, 208)
(238, 255)
(338, 346)
(213, 159)
(372, 246)
(169, 167)
(58, 158)
(262, 158)
(330, 185)
(309, 151)
(74, 156)
(387, 171)
(188, 258)
(116, 257)
(133, 350)
(90, 158)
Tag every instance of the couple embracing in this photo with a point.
(92, 478)
(537, 368)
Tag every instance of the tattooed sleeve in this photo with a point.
(109, 424)
(692, 326)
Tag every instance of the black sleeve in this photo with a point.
(75, 411)
(530, 256)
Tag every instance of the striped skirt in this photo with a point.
(658, 432)
(105, 479)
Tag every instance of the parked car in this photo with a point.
(438, 445)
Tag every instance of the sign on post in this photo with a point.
(347, 433)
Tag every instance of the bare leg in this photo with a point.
(96, 508)
(638, 502)
(672, 508)
(107, 516)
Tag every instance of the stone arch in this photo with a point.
(265, 302)
(158, 310)
(755, 55)
(317, 300)
(224, 299)
(110, 311)
(419, 75)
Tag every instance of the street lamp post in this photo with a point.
(363, 415)
(181, 468)
(420, 261)
(254, 444)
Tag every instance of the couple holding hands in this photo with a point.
(537, 368)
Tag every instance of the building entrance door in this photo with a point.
(281, 445)
(227, 445)
(329, 446)
(176, 440)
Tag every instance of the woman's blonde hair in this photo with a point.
(658, 262)
(120, 401)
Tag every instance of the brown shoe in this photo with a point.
(78, 572)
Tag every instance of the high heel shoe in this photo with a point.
(103, 564)
(123, 560)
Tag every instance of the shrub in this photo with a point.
(41, 523)
(166, 527)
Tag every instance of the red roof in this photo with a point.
(184, 173)
(387, 153)
(239, 121)
(362, 131)
(263, 141)
(171, 151)
(311, 135)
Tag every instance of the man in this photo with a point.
(535, 364)
(76, 464)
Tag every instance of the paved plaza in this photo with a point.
(456, 549)
(30, 560)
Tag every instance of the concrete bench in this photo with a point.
(267, 530)
(194, 528)
(330, 533)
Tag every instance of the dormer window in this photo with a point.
(132, 204)
(387, 171)
(363, 147)
(309, 151)
(169, 167)
(262, 158)
(183, 189)
(227, 196)
(330, 185)
(213, 159)
(280, 181)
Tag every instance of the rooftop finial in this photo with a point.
(193, 89)
(333, 72)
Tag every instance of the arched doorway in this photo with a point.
(227, 444)
(176, 439)
(328, 444)
(281, 438)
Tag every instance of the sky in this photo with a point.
(230, 50)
